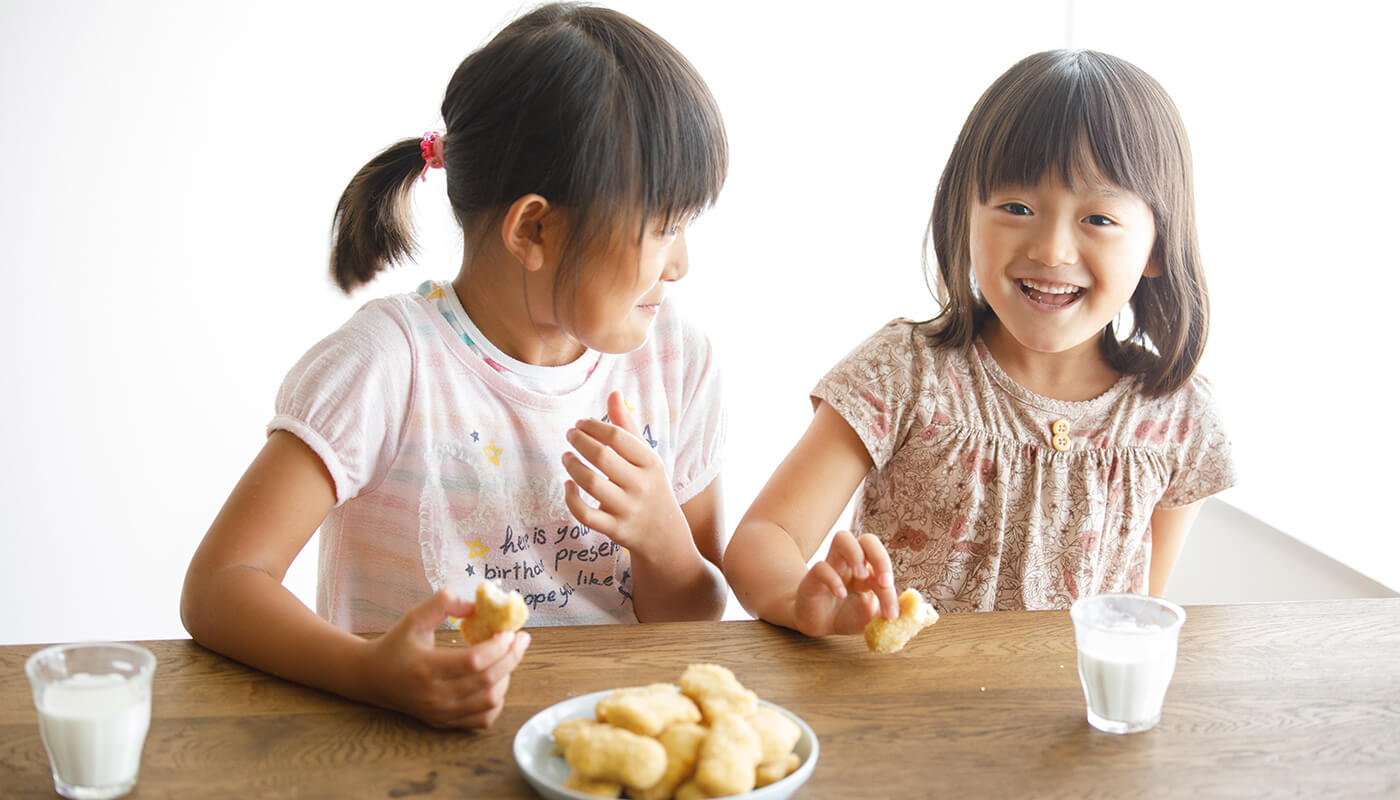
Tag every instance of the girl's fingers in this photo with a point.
(598, 486)
(453, 664)
(423, 619)
(479, 693)
(597, 450)
(846, 555)
(628, 446)
(621, 416)
(595, 518)
(483, 709)
(882, 577)
(484, 663)
(823, 577)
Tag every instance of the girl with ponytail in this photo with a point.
(546, 420)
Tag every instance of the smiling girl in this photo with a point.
(1045, 437)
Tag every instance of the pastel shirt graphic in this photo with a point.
(977, 507)
(447, 468)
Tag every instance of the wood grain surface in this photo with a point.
(1269, 700)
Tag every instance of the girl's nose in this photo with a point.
(677, 260)
(1053, 245)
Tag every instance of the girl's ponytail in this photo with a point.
(580, 104)
(372, 224)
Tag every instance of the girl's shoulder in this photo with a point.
(1188, 417)
(1196, 396)
(393, 315)
(382, 326)
(915, 343)
(906, 358)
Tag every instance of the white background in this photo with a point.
(169, 172)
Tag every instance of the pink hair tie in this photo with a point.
(431, 147)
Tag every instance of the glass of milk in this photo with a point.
(1127, 653)
(94, 703)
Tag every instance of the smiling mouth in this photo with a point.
(1055, 295)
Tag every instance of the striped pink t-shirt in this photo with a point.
(447, 472)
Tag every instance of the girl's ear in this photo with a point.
(1153, 268)
(523, 231)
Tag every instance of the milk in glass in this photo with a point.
(1126, 683)
(93, 727)
(94, 704)
(1127, 654)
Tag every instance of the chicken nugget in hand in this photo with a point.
(890, 635)
(496, 611)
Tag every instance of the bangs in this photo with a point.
(678, 145)
(657, 146)
(1078, 116)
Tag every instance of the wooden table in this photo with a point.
(1269, 700)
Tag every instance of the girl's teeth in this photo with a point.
(1050, 288)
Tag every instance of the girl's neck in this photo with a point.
(1074, 375)
(504, 302)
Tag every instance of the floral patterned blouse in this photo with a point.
(979, 509)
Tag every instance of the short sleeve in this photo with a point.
(348, 397)
(701, 425)
(876, 389)
(1202, 463)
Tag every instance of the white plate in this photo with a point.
(546, 770)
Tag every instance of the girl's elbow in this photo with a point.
(190, 615)
(196, 601)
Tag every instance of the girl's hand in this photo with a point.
(846, 590)
(636, 507)
(446, 687)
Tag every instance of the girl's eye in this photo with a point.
(1098, 220)
(1017, 209)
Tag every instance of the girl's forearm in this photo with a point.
(677, 585)
(248, 615)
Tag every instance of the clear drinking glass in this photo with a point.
(1127, 654)
(94, 703)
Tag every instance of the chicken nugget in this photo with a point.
(890, 635)
(682, 742)
(729, 757)
(715, 689)
(647, 710)
(565, 731)
(606, 753)
(496, 611)
(774, 771)
(776, 733)
(588, 786)
(690, 790)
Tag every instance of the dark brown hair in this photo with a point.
(1042, 118)
(579, 104)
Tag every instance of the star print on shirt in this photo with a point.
(478, 550)
(493, 452)
(476, 437)
(470, 570)
(435, 293)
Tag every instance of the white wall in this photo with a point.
(170, 170)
